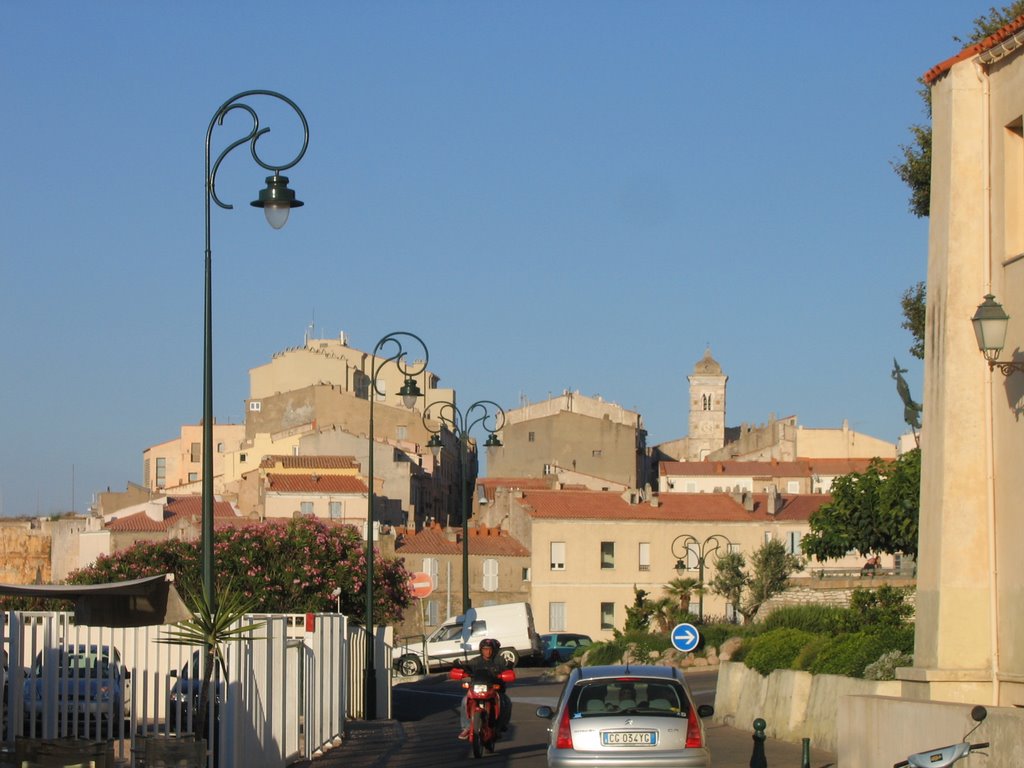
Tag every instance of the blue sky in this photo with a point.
(559, 195)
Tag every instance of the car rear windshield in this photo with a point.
(633, 695)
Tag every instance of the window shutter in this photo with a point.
(490, 575)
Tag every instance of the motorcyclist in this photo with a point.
(491, 661)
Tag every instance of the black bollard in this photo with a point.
(805, 760)
(757, 758)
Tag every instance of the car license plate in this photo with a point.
(629, 738)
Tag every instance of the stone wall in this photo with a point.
(24, 552)
(832, 591)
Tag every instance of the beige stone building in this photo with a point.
(499, 572)
(969, 643)
(781, 440)
(589, 550)
(575, 433)
(177, 465)
(791, 477)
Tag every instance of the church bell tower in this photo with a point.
(707, 408)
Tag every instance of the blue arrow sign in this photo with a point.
(685, 637)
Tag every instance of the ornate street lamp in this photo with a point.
(410, 391)
(990, 321)
(276, 201)
(685, 546)
(460, 425)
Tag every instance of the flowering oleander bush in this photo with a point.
(285, 567)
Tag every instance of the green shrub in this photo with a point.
(851, 654)
(873, 610)
(646, 646)
(713, 635)
(776, 649)
(607, 652)
(809, 653)
(885, 667)
(820, 619)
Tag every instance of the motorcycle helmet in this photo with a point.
(489, 642)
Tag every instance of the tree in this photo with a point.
(870, 512)
(638, 615)
(771, 567)
(913, 303)
(681, 589)
(291, 567)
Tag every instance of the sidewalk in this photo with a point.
(378, 744)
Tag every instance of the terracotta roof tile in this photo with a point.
(491, 484)
(696, 507)
(989, 42)
(175, 510)
(280, 483)
(309, 462)
(482, 541)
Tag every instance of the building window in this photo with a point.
(431, 617)
(557, 555)
(196, 453)
(767, 536)
(1013, 187)
(161, 472)
(733, 548)
(306, 508)
(241, 458)
(490, 575)
(691, 486)
(381, 388)
(556, 617)
(526, 574)
(793, 543)
(337, 510)
(607, 615)
(531, 437)
(644, 556)
(193, 477)
(255, 405)
(430, 568)
(691, 560)
(607, 554)
(596, 454)
(793, 486)
(401, 431)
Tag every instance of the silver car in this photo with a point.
(627, 716)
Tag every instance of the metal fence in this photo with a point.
(286, 694)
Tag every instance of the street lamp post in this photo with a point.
(409, 392)
(460, 424)
(686, 545)
(276, 200)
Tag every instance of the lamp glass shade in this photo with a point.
(277, 215)
(990, 322)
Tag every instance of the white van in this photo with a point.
(459, 638)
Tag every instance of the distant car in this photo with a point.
(558, 647)
(635, 716)
(90, 682)
(183, 699)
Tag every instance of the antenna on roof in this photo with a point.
(310, 329)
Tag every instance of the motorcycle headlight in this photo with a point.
(481, 688)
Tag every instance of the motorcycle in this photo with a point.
(483, 704)
(946, 756)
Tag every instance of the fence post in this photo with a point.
(757, 757)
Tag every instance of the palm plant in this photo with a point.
(682, 589)
(211, 627)
(663, 613)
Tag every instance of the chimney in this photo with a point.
(451, 535)
(773, 500)
(748, 501)
(655, 501)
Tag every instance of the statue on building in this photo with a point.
(911, 410)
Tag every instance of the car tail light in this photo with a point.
(693, 737)
(564, 740)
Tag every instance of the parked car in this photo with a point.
(511, 624)
(183, 699)
(617, 716)
(559, 647)
(86, 681)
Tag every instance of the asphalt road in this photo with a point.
(428, 711)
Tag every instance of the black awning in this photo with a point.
(135, 603)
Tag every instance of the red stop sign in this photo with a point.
(421, 584)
